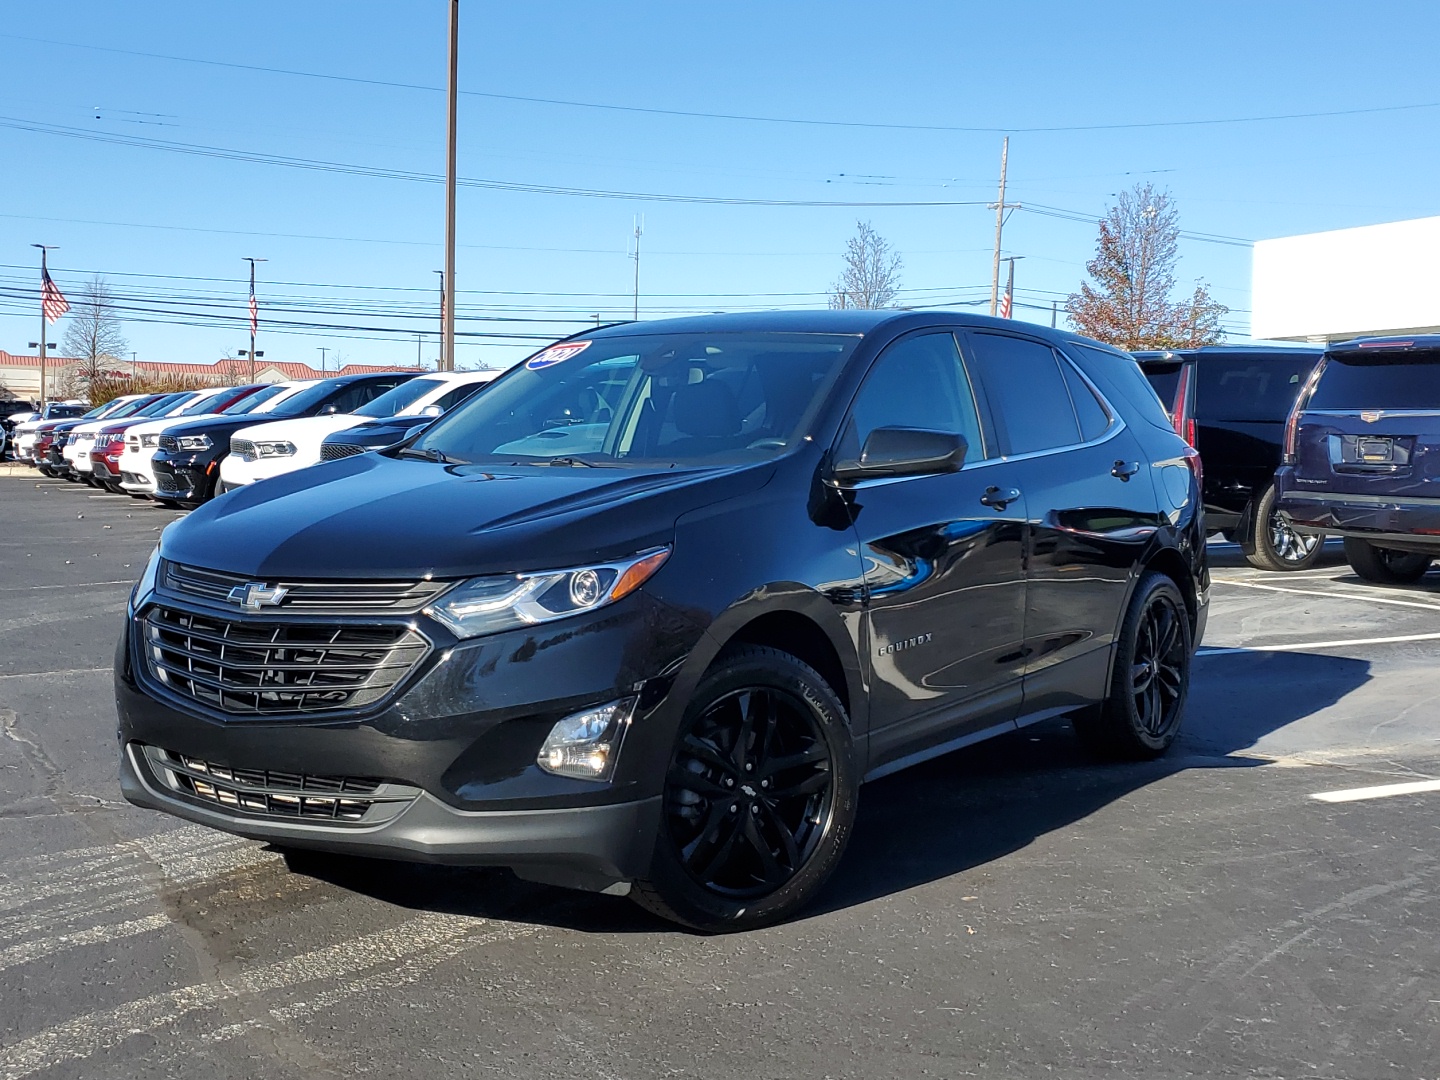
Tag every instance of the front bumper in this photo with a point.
(460, 733)
(135, 474)
(598, 848)
(182, 477)
(237, 471)
(103, 467)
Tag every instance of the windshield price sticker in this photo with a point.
(556, 353)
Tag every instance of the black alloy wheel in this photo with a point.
(1385, 566)
(759, 796)
(1277, 545)
(1140, 717)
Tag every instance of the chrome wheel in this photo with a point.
(1290, 546)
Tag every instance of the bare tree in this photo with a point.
(871, 275)
(1130, 301)
(93, 334)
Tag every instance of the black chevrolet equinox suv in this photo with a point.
(643, 616)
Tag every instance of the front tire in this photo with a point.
(1277, 545)
(1385, 566)
(759, 798)
(1140, 717)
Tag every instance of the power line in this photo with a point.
(744, 117)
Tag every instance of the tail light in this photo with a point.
(1184, 422)
(1292, 422)
(1192, 458)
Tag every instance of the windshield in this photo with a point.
(649, 400)
(130, 408)
(207, 403)
(393, 402)
(1394, 381)
(162, 406)
(258, 401)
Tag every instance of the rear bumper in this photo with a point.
(1381, 519)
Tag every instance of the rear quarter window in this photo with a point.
(1409, 381)
(1124, 385)
(1248, 387)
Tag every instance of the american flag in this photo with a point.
(52, 300)
(254, 309)
(1005, 305)
(1007, 302)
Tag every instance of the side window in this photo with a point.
(1092, 414)
(919, 382)
(352, 397)
(1027, 393)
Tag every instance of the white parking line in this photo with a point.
(1329, 595)
(1302, 646)
(1381, 791)
(108, 496)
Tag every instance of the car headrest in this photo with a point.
(706, 410)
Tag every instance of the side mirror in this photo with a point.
(904, 452)
(432, 410)
(329, 410)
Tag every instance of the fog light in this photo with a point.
(585, 745)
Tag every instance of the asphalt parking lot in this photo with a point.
(1010, 910)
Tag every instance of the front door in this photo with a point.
(943, 558)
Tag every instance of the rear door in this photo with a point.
(1372, 427)
(1091, 509)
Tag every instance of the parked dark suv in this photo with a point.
(1230, 403)
(643, 615)
(1362, 455)
(187, 463)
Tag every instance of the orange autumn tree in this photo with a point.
(1128, 301)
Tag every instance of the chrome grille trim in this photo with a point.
(338, 597)
(336, 451)
(242, 447)
(357, 800)
(168, 442)
(276, 667)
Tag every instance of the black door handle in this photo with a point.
(1123, 470)
(998, 499)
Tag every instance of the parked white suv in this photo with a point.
(142, 440)
(266, 450)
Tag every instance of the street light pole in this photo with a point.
(447, 347)
(323, 350)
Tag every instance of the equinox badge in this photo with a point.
(255, 595)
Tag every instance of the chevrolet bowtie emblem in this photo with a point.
(255, 595)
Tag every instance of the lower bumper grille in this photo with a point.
(361, 800)
(169, 482)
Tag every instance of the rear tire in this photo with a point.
(1140, 717)
(1278, 546)
(1385, 566)
(759, 796)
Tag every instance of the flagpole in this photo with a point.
(447, 322)
(254, 319)
(44, 276)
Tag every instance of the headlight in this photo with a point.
(274, 449)
(487, 605)
(146, 585)
(149, 440)
(193, 442)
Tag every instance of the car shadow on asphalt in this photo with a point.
(936, 820)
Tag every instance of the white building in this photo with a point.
(1377, 279)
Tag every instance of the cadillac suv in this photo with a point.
(1362, 455)
(642, 616)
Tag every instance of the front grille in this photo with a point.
(362, 597)
(267, 668)
(266, 792)
(243, 447)
(169, 443)
(336, 451)
(148, 440)
(132, 442)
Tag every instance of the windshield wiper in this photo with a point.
(428, 454)
(571, 462)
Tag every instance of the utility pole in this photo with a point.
(1000, 208)
(44, 276)
(418, 339)
(254, 313)
(1054, 312)
(447, 283)
(639, 231)
(132, 368)
(323, 350)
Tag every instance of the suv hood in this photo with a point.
(378, 517)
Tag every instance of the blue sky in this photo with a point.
(360, 250)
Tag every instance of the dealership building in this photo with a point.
(1330, 286)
